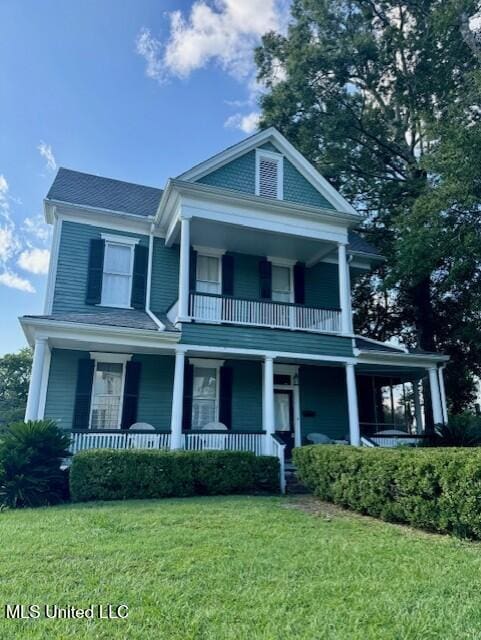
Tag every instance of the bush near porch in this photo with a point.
(107, 474)
(434, 489)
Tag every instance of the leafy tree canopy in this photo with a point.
(14, 380)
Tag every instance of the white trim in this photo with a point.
(354, 432)
(442, 391)
(398, 359)
(291, 370)
(177, 401)
(206, 362)
(278, 158)
(51, 204)
(286, 369)
(211, 252)
(218, 257)
(110, 358)
(45, 380)
(384, 344)
(108, 237)
(116, 221)
(281, 262)
(53, 264)
(298, 160)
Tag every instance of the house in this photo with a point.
(216, 313)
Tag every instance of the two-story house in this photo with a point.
(215, 313)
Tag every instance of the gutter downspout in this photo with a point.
(159, 324)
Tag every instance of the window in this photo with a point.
(269, 174)
(208, 274)
(205, 405)
(117, 274)
(107, 395)
(281, 283)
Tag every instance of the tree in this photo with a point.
(365, 88)
(14, 380)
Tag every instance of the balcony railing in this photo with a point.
(82, 440)
(208, 307)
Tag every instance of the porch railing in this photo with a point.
(263, 313)
(82, 440)
(232, 441)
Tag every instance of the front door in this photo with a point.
(284, 418)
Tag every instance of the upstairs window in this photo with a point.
(269, 174)
(117, 273)
(208, 278)
(282, 283)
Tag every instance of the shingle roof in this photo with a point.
(368, 345)
(104, 193)
(130, 318)
(359, 245)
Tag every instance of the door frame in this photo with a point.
(291, 370)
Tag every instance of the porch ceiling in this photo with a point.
(230, 237)
(404, 374)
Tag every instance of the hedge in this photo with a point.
(109, 474)
(434, 489)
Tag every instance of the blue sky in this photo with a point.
(137, 90)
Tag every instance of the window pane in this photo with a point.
(205, 382)
(106, 398)
(281, 278)
(282, 411)
(203, 412)
(208, 270)
(116, 290)
(117, 258)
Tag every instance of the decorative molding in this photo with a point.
(119, 239)
(114, 358)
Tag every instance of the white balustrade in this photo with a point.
(82, 441)
(224, 442)
(263, 313)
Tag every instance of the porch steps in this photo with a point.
(293, 485)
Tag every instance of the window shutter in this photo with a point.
(225, 399)
(95, 271)
(83, 394)
(268, 177)
(139, 277)
(265, 279)
(131, 394)
(192, 270)
(299, 283)
(188, 393)
(227, 275)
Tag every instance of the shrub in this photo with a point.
(30, 457)
(108, 474)
(463, 430)
(435, 489)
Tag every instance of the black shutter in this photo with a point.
(192, 270)
(139, 277)
(299, 283)
(95, 272)
(265, 279)
(83, 393)
(225, 400)
(227, 275)
(131, 394)
(188, 393)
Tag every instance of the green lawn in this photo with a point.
(236, 568)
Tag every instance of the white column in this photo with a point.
(268, 393)
(35, 386)
(354, 432)
(417, 407)
(184, 269)
(177, 402)
(442, 390)
(435, 395)
(344, 290)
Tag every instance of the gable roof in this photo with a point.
(358, 245)
(85, 189)
(296, 158)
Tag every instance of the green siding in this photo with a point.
(72, 266)
(240, 176)
(62, 383)
(246, 276)
(246, 395)
(165, 276)
(322, 285)
(265, 339)
(155, 393)
(322, 391)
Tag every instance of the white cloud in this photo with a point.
(9, 243)
(3, 184)
(34, 260)
(36, 227)
(46, 152)
(246, 123)
(224, 33)
(10, 279)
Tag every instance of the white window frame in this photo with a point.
(207, 363)
(125, 241)
(210, 253)
(287, 264)
(277, 157)
(109, 358)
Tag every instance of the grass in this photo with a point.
(236, 568)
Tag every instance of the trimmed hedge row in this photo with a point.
(109, 474)
(434, 489)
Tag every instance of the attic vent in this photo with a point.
(269, 175)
